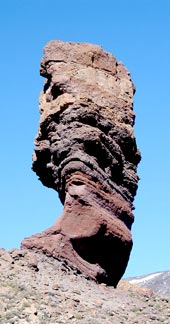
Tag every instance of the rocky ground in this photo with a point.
(37, 289)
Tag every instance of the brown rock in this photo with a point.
(32, 261)
(5, 256)
(86, 150)
(17, 254)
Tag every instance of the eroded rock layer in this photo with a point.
(86, 150)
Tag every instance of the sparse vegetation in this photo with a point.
(54, 296)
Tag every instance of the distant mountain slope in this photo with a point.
(159, 282)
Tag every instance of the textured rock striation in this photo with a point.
(86, 150)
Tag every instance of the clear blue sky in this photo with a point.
(138, 34)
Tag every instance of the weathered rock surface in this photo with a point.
(86, 150)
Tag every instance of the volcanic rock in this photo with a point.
(86, 150)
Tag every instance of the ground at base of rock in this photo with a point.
(37, 289)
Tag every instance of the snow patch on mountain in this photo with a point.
(143, 279)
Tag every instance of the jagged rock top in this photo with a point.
(81, 69)
(79, 53)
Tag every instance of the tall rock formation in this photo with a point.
(86, 150)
